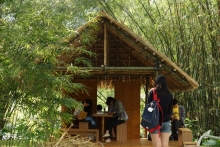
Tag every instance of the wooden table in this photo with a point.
(102, 115)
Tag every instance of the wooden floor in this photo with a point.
(143, 142)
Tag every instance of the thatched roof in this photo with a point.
(125, 56)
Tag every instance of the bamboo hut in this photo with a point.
(127, 61)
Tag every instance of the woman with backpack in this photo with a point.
(160, 138)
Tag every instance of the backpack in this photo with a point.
(150, 117)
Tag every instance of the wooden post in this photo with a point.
(146, 94)
(106, 49)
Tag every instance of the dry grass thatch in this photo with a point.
(73, 141)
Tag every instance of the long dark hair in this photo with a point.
(161, 85)
(88, 108)
(109, 100)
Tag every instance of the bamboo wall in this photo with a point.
(129, 94)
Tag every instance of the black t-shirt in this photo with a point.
(166, 103)
(88, 109)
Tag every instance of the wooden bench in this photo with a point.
(184, 135)
(83, 125)
(189, 144)
(84, 132)
(121, 132)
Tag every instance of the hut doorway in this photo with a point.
(129, 94)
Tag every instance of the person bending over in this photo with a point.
(119, 116)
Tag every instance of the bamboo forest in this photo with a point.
(34, 33)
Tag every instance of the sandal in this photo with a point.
(108, 140)
(106, 135)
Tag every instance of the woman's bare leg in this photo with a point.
(156, 140)
(165, 139)
(113, 132)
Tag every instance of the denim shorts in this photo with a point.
(165, 128)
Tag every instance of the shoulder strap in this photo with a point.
(158, 100)
(155, 94)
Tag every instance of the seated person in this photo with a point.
(119, 116)
(110, 110)
(99, 108)
(87, 104)
(177, 119)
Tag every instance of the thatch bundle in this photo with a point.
(67, 140)
(74, 141)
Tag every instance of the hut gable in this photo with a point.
(122, 55)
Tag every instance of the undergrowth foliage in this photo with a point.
(33, 38)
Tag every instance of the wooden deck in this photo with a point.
(143, 142)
